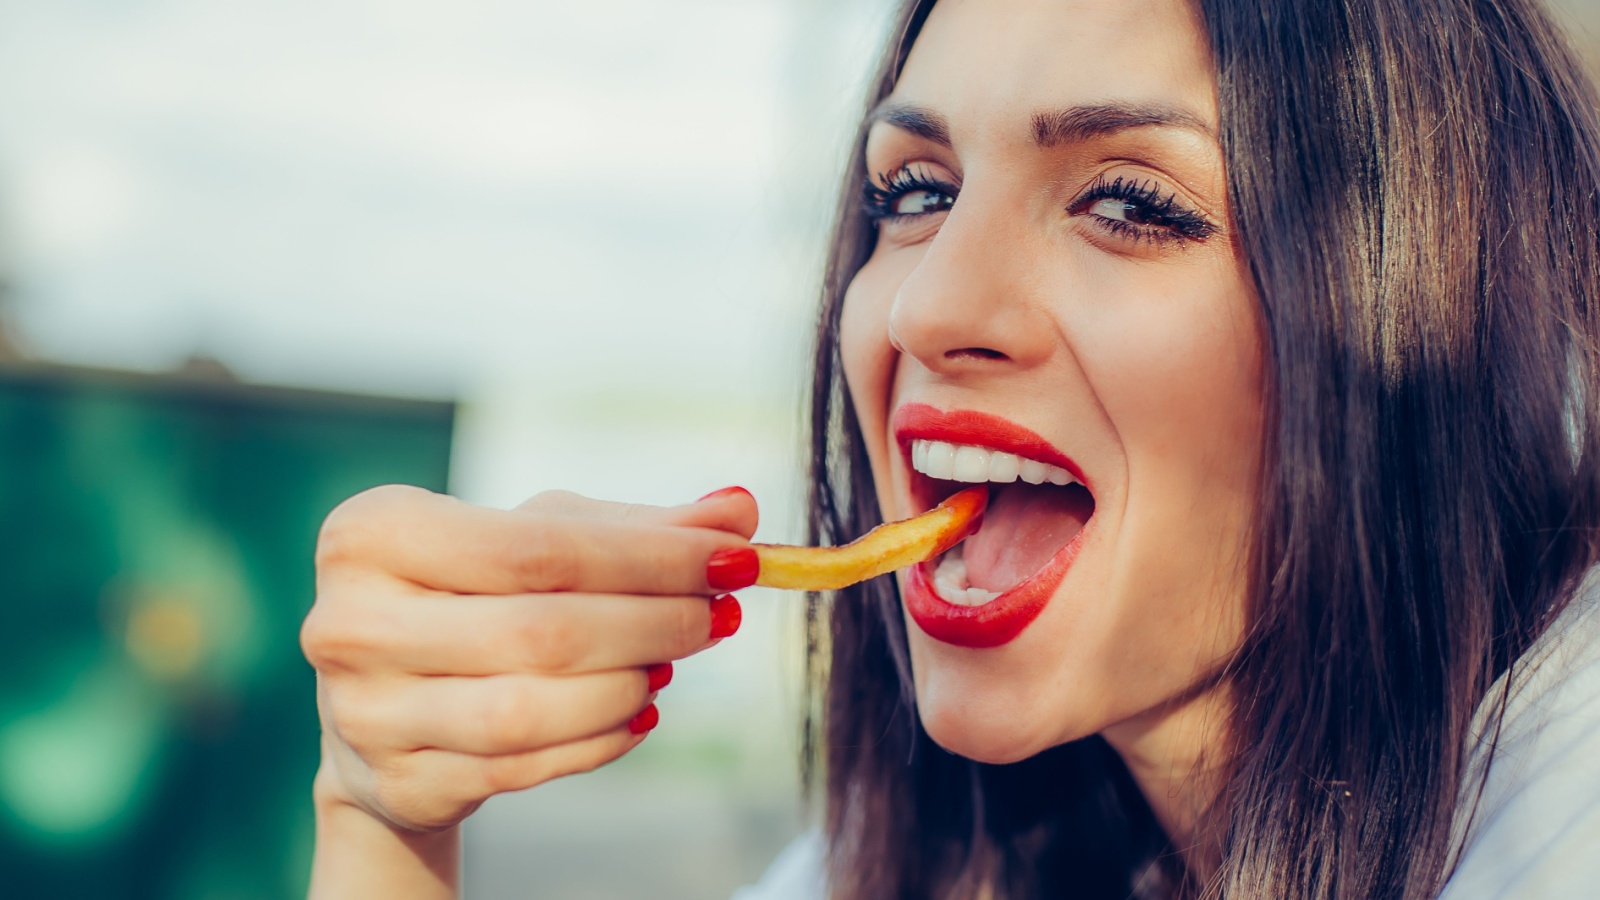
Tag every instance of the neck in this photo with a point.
(1177, 755)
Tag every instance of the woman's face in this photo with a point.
(1054, 297)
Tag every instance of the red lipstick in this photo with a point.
(919, 421)
(994, 623)
(1002, 619)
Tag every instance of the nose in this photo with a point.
(967, 307)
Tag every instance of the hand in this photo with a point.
(463, 652)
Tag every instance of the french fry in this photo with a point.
(879, 551)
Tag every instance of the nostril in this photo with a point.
(974, 353)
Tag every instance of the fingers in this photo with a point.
(475, 777)
(439, 542)
(514, 713)
(550, 634)
(519, 771)
(731, 509)
(428, 790)
(463, 652)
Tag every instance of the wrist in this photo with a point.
(359, 854)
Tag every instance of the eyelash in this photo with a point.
(879, 197)
(1165, 219)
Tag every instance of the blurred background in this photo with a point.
(256, 256)
(262, 254)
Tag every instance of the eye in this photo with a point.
(915, 203)
(1139, 211)
(1119, 210)
(906, 193)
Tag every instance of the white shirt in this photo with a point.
(1536, 830)
(1535, 833)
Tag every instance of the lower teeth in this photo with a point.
(950, 582)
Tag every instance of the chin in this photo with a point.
(981, 743)
(987, 726)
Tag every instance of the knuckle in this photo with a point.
(358, 725)
(678, 562)
(325, 640)
(510, 721)
(551, 640)
(691, 624)
(350, 530)
(549, 561)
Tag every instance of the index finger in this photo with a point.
(439, 542)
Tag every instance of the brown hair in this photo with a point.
(1415, 185)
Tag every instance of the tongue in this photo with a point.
(1023, 526)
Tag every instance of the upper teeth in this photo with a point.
(964, 462)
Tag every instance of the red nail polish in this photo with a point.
(659, 675)
(732, 568)
(648, 718)
(724, 492)
(725, 616)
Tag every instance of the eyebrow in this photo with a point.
(1071, 125)
(922, 122)
(1080, 123)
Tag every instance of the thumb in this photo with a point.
(731, 509)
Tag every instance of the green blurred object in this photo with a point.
(158, 729)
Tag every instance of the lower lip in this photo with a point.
(997, 622)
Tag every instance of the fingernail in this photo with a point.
(648, 718)
(659, 675)
(732, 568)
(724, 492)
(725, 616)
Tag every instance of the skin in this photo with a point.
(1139, 358)
(463, 652)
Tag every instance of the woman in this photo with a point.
(1273, 325)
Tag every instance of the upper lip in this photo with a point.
(919, 421)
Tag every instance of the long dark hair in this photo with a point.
(1415, 185)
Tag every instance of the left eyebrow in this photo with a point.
(922, 122)
(1082, 123)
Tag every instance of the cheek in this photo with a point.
(868, 355)
(1187, 403)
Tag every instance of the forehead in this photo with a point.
(993, 64)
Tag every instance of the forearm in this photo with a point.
(360, 856)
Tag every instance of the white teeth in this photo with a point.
(972, 464)
(967, 463)
(1003, 467)
(1033, 471)
(950, 582)
(939, 461)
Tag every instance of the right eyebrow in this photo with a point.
(920, 121)
(1070, 125)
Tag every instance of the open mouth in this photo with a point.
(986, 589)
(1035, 509)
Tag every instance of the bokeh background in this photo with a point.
(261, 254)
